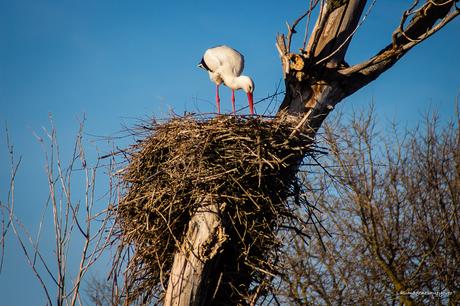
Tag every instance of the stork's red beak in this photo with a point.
(251, 103)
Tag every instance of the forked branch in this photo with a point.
(291, 28)
(426, 20)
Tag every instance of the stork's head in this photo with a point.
(246, 84)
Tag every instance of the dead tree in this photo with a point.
(316, 79)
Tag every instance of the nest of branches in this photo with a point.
(246, 165)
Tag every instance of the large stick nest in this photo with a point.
(246, 165)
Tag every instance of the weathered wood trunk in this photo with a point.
(313, 84)
(316, 80)
(191, 272)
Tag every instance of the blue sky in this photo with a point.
(114, 61)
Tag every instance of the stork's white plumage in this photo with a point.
(225, 65)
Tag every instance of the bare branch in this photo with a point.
(291, 28)
(406, 14)
(285, 49)
(67, 215)
(28, 257)
(283, 53)
(365, 72)
(310, 9)
(8, 210)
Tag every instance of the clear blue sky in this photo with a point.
(118, 60)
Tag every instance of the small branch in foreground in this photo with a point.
(7, 212)
(67, 215)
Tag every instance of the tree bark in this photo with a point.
(312, 88)
(191, 270)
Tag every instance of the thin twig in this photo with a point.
(291, 28)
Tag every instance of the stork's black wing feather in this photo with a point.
(203, 65)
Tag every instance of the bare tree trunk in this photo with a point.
(190, 273)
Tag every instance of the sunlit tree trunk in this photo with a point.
(191, 273)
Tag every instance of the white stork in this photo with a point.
(225, 65)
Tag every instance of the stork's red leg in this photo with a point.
(233, 101)
(217, 99)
